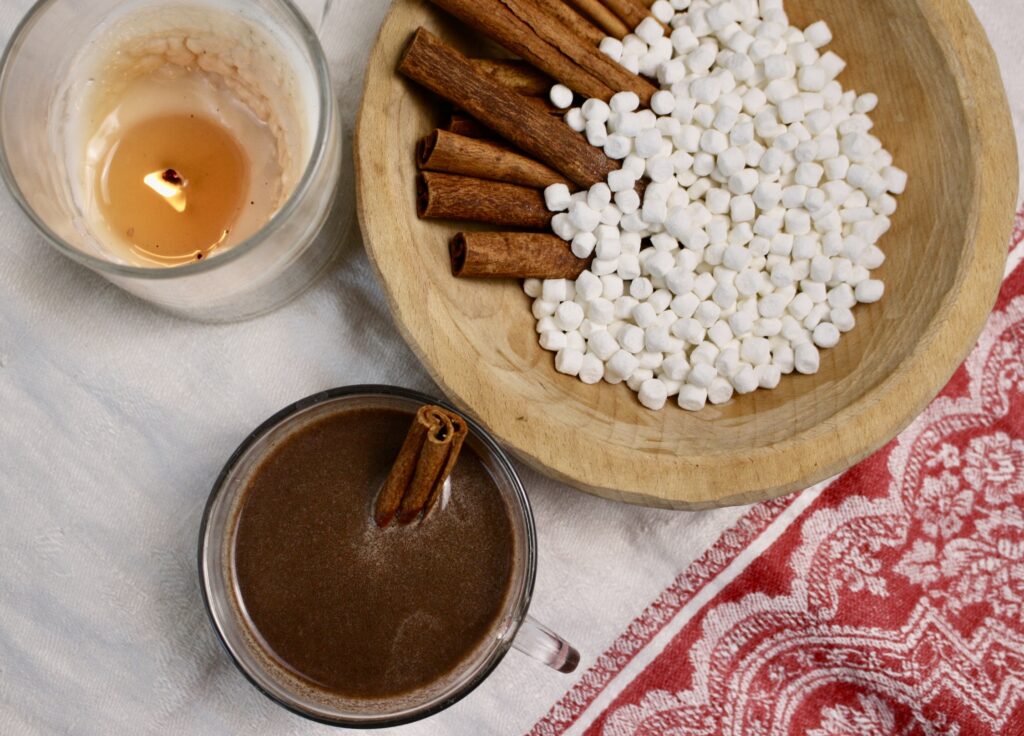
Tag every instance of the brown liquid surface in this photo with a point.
(195, 156)
(349, 608)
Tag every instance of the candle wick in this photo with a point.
(173, 177)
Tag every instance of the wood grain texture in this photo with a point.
(943, 114)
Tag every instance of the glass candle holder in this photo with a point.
(42, 85)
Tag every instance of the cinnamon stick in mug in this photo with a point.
(447, 152)
(449, 197)
(446, 72)
(513, 256)
(426, 459)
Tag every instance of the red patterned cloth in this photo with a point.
(888, 601)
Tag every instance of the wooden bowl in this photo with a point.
(943, 114)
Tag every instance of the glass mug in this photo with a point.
(515, 628)
(266, 270)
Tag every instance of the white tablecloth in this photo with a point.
(115, 419)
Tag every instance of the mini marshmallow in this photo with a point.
(624, 306)
(814, 317)
(602, 344)
(755, 350)
(620, 366)
(657, 339)
(768, 376)
(653, 394)
(809, 174)
(707, 313)
(867, 292)
(569, 361)
(553, 340)
(807, 359)
(568, 316)
(600, 311)
(720, 391)
(660, 301)
(583, 217)
(742, 208)
(685, 305)
(895, 179)
(842, 318)
(624, 102)
(767, 327)
(543, 309)
(832, 63)
(557, 197)
(701, 375)
(631, 339)
(714, 142)
(745, 380)
(720, 333)
(612, 287)
(591, 369)
(595, 110)
(611, 47)
(561, 96)
(692, 398)
(818, 34)
(843, 295)
(555, 290)
(826, 335)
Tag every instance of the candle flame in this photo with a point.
(170, 186)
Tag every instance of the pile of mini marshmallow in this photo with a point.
(756, 234)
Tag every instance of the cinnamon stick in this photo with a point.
(462, 124)
(513, 255)
(517, 75)
(567, 16)
(632, 12)
(443, 70)
(456, 154)
(529, 31)
(602, 16)
(449, 197)
(427, 457)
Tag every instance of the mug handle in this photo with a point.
(538, 641)
(315, 11)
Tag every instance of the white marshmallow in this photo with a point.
(720, 391)
(807, 359)
(692, 398)
(867, 292)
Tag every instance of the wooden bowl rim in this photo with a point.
(862, 427)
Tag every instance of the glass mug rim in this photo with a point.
(516, 611)
(318, 155)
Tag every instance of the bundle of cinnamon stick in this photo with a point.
(505, 143)
(426, 460)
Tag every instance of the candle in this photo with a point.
(186, 144)
(173, 187)
(187, 150)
